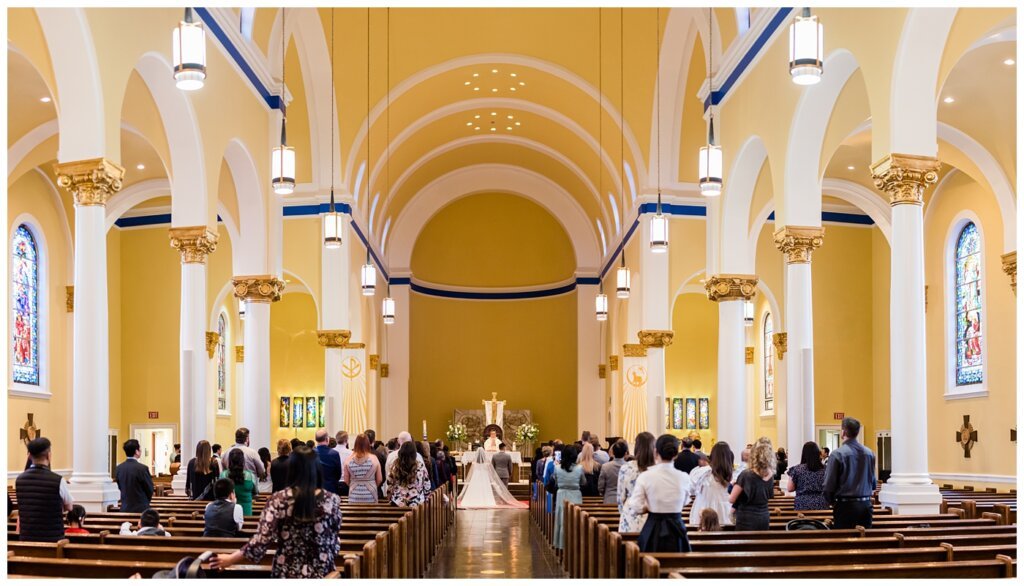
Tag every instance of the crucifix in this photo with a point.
(494, 411)
(967, 436)
(29, 431)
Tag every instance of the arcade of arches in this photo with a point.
(496, 167)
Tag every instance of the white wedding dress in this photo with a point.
(483, 488)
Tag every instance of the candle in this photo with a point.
(424, 429)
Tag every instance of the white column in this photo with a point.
(733, 403)
(591, 406)
(255, 399)
(334, 296)
(655, 317)
(91, 183)
(394, 408)
(909, 489)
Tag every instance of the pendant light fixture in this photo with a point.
(282, 159)
(188, 51)
(748, 313)
(710, 162)
(388, 309)
(333, 220)
(388, 305)
(367, 274)
(659, 223)
(622, 280)
(806, 49)
(241, 309)
(622, 275)
(601, 305)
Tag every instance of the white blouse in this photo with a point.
(708, 493)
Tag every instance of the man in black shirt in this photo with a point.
(686, 460)
(850, 479)
(42, 497)
(134, 480)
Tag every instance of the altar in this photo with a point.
(494, 416)
(470, 457)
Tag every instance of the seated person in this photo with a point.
(223, 517)
(492, 442)
(149, 524)
(76, 517)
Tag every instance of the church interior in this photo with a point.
(485, 225)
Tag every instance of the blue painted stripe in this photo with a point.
(273, 101)
(839, 217)
(487, 296)
(673, 209)
(373, 254)
(153, 220)
(315, 209)
(718, 95)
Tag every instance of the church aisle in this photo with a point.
(495, 543)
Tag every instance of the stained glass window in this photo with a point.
(25, 307)
(968, 306)
(768, 363)
(222, 386)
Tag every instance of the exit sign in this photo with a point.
(838, 415)
(154, 414)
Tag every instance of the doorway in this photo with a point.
(156, 441)
(828, 436)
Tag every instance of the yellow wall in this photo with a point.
(296, 360)
(691, 361)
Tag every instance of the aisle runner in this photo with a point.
(634, 392)
(353, 389)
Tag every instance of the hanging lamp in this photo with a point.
(388, 305)
(622, 279)
(333, 220)
(388, 309)
(188, 51)
(748, 313)
(601, 305)
(367, 274)
(659, 223)
(806, 49)
(282, 159)
(241, 309)
(710, 160)
(368, 277)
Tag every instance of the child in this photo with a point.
(76, 517)
(709, 520)
(149, 524)
(223, 517)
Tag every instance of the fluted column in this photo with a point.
(903, 178)
(258, 291)
(733, 410)
(91, 183)
(334, 299)
(797, 243)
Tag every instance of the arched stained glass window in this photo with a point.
(968, 306)
(768, 364)
(222, 382)
(25, 307)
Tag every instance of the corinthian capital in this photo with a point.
(798, 242)
(258, 288)
(730, 287)
(91, 182)
(194, 243)
(1010, 268)
(333, 338)
(655, 338)
(904, 177)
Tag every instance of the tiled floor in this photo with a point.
(496, 543)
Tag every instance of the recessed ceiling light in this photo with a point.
(512, 89)
(493, 129)
(466, 83)
(850, 167)
(469, 124)
(508, 128)
(476, 75)
(477, 116)
(517, 124)
(476, 89)
(45, 99)
(494, 113)
(494, 71)
(477, 128)
(1009, 62)
(510, 117)
(522, 83)
(949, 99)
(140, 166)
(494, 89)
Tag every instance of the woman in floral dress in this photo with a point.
(629, 520)
(807, 480)
(408, 481)
(301, 521)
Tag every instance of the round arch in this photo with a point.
(738, 196)
(252, 220)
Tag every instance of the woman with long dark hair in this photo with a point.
(245, 481)
(408, 481)
(807, 480)
(279, 467)
(266, 485)
(302, 522)
(643, 451)
(570, 479)
(201, 473)
(710, 485)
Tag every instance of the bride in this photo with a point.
(484, 490)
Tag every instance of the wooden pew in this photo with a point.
(999, 568)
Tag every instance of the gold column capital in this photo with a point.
(212, 338)
(69, 298)
(730, 287)
(239, 353)
(748, 355)
(374, 361)
(781, 342)
(258, 288)
(354, 345)
(602, 371)
(905, 177)
(655, 338)
(634, 350)
(385, 370)
(613, 362)
(1010, 268)
(92, 181)
(333, 338)
(194, 242)
(798, 242)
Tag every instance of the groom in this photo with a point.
(502, 463)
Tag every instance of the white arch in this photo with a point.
(493, 138)
(802, 180)
(68, 242)
(913, 102)
(508, 178)
(877, 208)
(755, 231)
(27, 143)
(252, 220)
(569, 76)
(189, 199)
(735, 205)
(79, 84)
(133, 195)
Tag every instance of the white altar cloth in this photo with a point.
(469, 457)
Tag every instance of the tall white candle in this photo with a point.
(424, 429)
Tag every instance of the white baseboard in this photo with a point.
(975, 478)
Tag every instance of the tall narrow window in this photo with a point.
(968, 306)
(222, 381)
(25, 307)
(768, 363)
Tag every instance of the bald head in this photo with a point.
(745, 455)
(403, 437)
(321, 436)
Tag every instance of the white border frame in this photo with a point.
(42, 390)
(775, 377)
(952, 390)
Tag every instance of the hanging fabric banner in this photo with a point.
(634, 391)
(353, 390)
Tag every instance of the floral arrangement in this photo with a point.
(527, 433)
(456, 432)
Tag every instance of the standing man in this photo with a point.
(686, 460)
(608, 481)
(216, 456)
(342, 448)
(502, 463)
(253, 463)
(42, 497)
(330, 462)
(134, 480)
(850, 479)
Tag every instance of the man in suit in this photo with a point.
(134, 480)
(330, 462)
(686, 460)
(502, 463)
